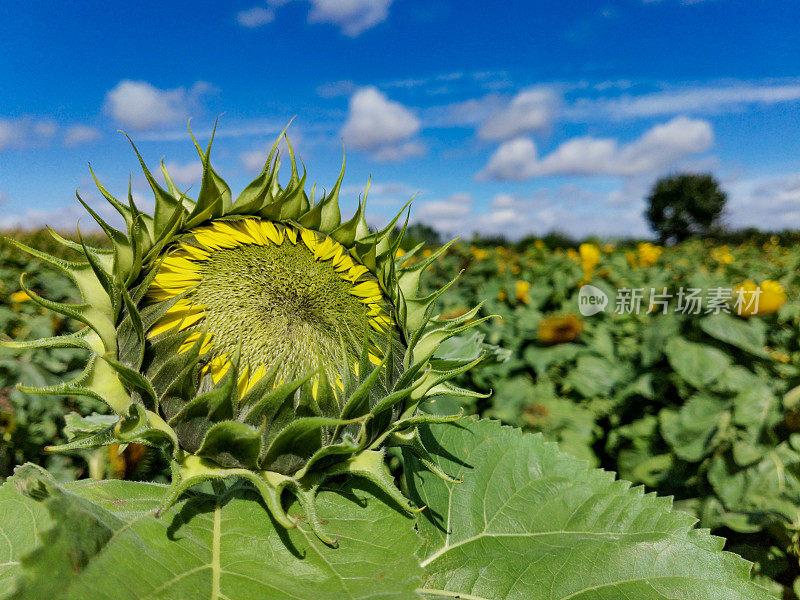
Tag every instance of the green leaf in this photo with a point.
(655, 334)
(746, 335)
(594, 376)
(692, 429)
(757, 410)
(21, 519)
(698, 364)
(106, 544)
(761, 494)
(540, 358)
(531, 522)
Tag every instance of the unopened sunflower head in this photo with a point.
(262, 338)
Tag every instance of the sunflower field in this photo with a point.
(676, 368)
(698, 401)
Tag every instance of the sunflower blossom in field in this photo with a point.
(722, 255)
(559, 330)
(648, 254)
(590, 256)
(752, 299)
(261, 338)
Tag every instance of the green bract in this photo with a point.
(261, 337)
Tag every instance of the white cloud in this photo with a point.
(447, 215)
(514, 160)
(246, 128)
(381, 126)
(253, 160)
(62, 218)
(656, 149)
(466, 113)
(709, 99)
(11, 133)
(394, 189)
(767, 202)
(185, 173)
(400, 152)
(569, 209)
(25, 131)
(332, 89)
(77, 135)
(352, 16)
(255, 17)
(140, 105)
(45, 129)
(531, 110)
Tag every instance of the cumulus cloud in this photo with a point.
(448, 215)
(253, 160)
(657, 148)
(393, 189)
(25, 131)
(400, 152)
(77, 135)
(766, 202)
(185, 173)
(381, 126)
(708, 99)
(140, 105)
(465, 113)
(568, 209)
(255, 17)
(352, 16)
(531, 110)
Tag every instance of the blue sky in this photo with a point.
(513, 117)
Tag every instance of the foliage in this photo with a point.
(590, 536)
(29, 422)
(704, 407)
(684, 205)
(700, 406)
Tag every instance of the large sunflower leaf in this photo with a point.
(106, 544)
(21, 520)
(529, 521)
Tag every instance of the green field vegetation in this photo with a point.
(704, 407)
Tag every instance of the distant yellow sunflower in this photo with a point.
(751, 299)
(559, 330)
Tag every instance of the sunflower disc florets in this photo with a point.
(261, 338)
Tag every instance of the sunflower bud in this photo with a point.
(261, 338)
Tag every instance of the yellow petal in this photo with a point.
(182, 319)
(291, 234)
(309, 239)
(355, 272)
(255, 231)
(190, 340)
(366, 289)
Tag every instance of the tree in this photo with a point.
(419, 232)
(682, 206)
